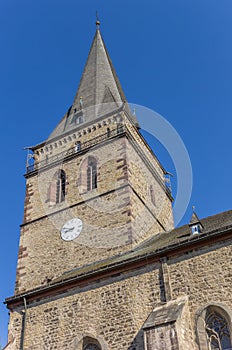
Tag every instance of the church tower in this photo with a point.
(94, 191)
(95, 188)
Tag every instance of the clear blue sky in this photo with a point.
(173, 56)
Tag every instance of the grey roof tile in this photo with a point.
(194, 219)
(212, 224)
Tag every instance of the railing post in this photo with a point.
(84, 145)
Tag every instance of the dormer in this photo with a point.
(195, 224)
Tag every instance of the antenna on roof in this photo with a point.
(97, 20)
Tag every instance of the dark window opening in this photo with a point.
(78, 146)
(91, 347)
(196, 229)
(60, 186)
(92, 175)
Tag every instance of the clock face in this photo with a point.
(71, 229)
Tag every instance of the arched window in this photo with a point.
(217, 331)
(60, 186)
(78, 146)
(91, 174)
(90, 343)
(91, 347)
(56, 190)
(88, 175)
(213, 326)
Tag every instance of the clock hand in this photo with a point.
(68, 229)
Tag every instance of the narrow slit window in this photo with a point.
(60, 186)
(91, 174)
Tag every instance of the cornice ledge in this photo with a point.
(109, 270)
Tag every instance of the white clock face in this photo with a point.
(71, 229)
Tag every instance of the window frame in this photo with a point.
(91, 174)
(201, 319)
(60, 186)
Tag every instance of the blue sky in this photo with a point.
(173, 56)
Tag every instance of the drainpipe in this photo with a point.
(23, 324)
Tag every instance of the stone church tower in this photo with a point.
(100, 265)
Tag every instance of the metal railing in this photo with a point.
(76, 149)
(79, 147)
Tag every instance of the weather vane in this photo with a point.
(97, 20)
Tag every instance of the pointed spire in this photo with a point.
(195, 223)
(99, 77)
(194, 219)
(99, 91)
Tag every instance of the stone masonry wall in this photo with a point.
(114, 216)
(204, 276)
(116, 310)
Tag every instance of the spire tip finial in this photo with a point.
(97, 20)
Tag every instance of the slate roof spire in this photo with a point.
(99, 91)
(99, 82)
(194, 219)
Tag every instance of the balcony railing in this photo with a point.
(79, 147)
